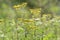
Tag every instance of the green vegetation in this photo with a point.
(19, 22)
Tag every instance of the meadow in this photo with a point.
(19, 23)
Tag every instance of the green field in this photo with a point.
(20, 23)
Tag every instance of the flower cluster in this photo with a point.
(19, 6)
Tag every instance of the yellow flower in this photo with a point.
(23, 4)
(19, 6)
(35, 11)
(16, 6)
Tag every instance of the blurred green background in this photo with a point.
(29, 19)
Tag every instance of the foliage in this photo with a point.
(22, 23)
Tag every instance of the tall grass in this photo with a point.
(17, 24)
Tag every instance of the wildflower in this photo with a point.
(35, 11)
(19, 6)
(16, 6)
(23, 4)
(44, 18)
